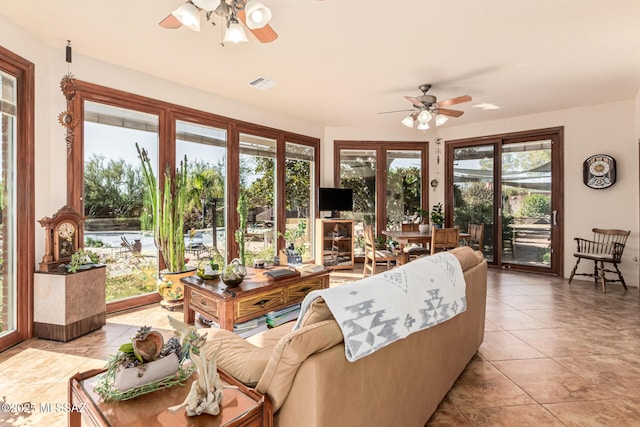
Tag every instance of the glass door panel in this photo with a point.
(526, 203)
(205, 217)
(257, 182)
(118, 226)
(299, 183)
(404, 187)
(358, 172)
(8, 250)
(473, 191)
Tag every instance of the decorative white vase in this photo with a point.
(424, 228)
(128, 378)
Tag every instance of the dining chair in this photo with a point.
(606, 247)
(476, 236)
(414, 250)
(372, 255)
(443, 239)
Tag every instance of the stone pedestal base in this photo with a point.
(66, 306)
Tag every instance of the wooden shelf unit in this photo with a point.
(334, 243)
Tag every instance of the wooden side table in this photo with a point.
(241, 406)
(255, 296)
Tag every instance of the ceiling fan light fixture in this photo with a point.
(424, 117)
(258, 15)
(188, 15)
(440, 119)
(235, 33)
(408, 121)
(423, 125)
(207, 5)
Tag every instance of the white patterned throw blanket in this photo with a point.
(378, 310)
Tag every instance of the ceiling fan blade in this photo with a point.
(454, 101)
(396, 111)
(414, 101)
(265, 34)
(452, 113)
(170, 23)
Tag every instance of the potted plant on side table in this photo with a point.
(437, 215)
(167, 211)
(423, 226)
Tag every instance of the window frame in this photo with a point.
(24, 71)
(168, 113)
(381, 148)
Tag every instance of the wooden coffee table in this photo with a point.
(241, 406)
(255, 296)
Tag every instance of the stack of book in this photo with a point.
(244, 329)
(251, 327)
(279, 317)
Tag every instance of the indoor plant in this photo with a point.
(167, 212)
(437, 215)
(424, 220)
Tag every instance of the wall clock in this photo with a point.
(63, 237)
(599, 171)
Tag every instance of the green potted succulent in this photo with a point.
(167, 212)
(437, 215)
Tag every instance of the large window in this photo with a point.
(387, 180)
(8, 119)
(222, 161)
(205, 148)
(17, 217)
(299, 185)
(258, 182)
(118, 225)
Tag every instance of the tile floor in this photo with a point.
(553, 354)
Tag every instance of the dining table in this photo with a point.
(412, 237)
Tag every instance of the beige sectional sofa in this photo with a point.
(310, 382)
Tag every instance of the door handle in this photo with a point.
(554, 217)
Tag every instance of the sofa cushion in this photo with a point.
(467, 256)
(269, 338)
(317, 312)
(290, 352)
(239, 358)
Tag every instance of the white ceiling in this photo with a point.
(340, 62)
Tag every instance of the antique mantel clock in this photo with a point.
(63, 236)
(599, 171)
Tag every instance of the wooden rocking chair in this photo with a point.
(606, 247)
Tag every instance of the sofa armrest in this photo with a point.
(239, 358)
(290, 352)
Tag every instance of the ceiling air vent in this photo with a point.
(262, 83)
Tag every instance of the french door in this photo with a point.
(513, 185)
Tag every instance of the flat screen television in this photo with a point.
(335, 199)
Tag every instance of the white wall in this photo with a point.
(50, 146)
(607, 128)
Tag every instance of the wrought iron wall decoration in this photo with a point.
(68, 86)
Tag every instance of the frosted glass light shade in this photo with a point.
(423, 126)
(235, 34)
(188, 15)
(207, 5)
(258, 15)
(440, 119)
(408, 121)
(424, 116)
